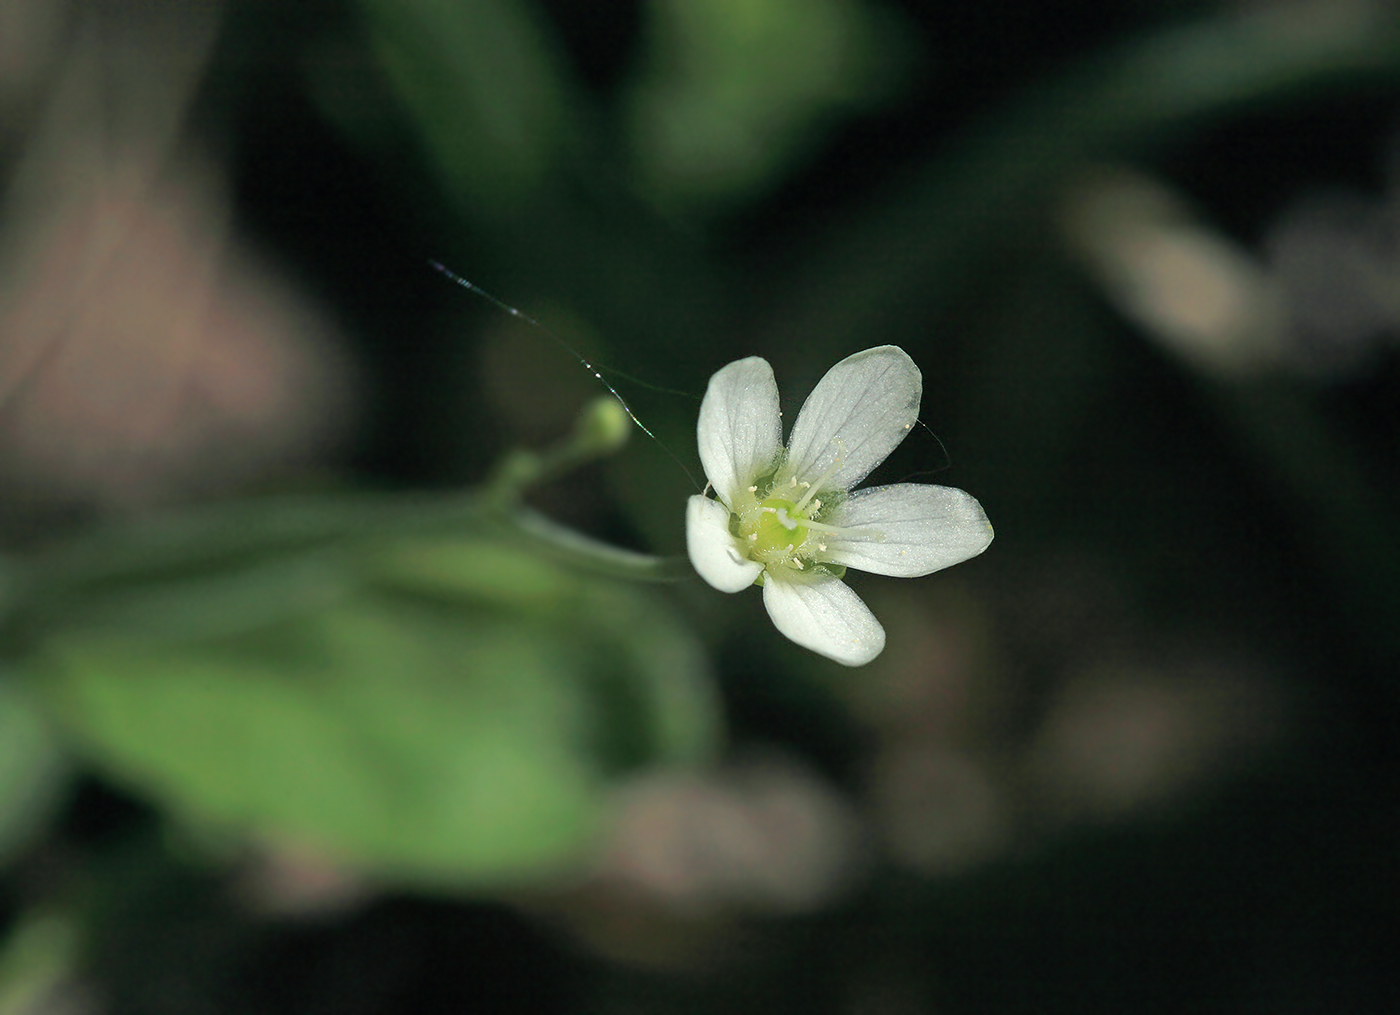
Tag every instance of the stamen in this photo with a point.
(847, 533)
(753, 489)
(812, 488)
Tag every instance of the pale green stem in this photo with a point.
(240, 533)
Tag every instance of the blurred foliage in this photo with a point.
(1136, 758)
(734, 93)
(441, 711)
(422, 690)
(31, 771)
(36, 963)
(483, 90)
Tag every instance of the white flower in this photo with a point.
(785, 518)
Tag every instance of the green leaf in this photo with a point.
(32, 770)
(484, 87)
(37, 955)
(455, 716)
(734, 92)
(642, 663)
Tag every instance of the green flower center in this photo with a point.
(780, 530)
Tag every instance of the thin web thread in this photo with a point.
(587, 364)
(947, 455)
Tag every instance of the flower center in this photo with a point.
(780, 530)
(783, 530)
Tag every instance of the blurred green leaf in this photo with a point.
(32, 770)
(37, 956)
(453, 717)
(648, 675)
(733, 91)
(483, 85)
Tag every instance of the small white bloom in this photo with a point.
(786, 518)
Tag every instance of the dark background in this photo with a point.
(1136, 758)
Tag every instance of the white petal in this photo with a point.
(715, 554)
(823, 614)
(921, 529)
(740, 428)
(855, 416)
